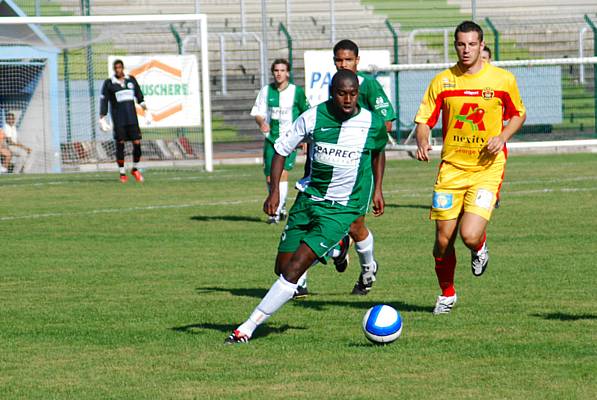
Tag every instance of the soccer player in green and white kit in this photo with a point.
(276, 107)
(373, 98)
(347, 146)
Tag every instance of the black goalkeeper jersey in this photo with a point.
(122, 100)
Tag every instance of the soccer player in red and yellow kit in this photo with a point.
(474, 98)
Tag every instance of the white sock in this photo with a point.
(122, 170)
(283, 194)
(280, 292)
(335, 252)
(302, 282)
(135, 165)
(364, 249)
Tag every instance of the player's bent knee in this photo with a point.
(296, 266)
(441, 248)
(281, 260)
(471, 237)
(292, 271)
(358, 230)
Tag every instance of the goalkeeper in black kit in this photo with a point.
(121, 91)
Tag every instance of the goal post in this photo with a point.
(561, 107)
(79, 49)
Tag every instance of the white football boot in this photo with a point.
(479, 260)
(444, 304)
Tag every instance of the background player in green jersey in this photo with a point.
(347, 145)
(276, 107)
(373, 98)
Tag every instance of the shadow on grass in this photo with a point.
(367, 345)
(257, 293)
(229, 218)
(426, 206)
(263, 330)
(565, 316)
(362, 305)
(312, 302)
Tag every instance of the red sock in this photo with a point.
(480, 246)
(444, 269)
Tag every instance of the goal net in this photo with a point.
(53, 69)
(560, 96)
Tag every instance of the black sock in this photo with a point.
(120, 154)
(136, 152)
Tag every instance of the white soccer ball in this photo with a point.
(382, 324)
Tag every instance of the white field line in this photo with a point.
(547, 190)
(556, 180)
(80, 182)
(157, 171)
(211, 177)
(404, 193)
(129, 209)
(429, 192)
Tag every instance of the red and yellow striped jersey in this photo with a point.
(474, 108)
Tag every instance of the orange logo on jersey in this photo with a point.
(471, 114)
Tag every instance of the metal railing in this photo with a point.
(413, 34)
(223, 55)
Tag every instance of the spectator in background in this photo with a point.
(486, 54)
(12, 150)
(5, 154)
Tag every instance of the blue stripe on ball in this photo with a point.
(381, 331)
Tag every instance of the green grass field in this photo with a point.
(114, 291)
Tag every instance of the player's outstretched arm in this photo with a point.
(378, 162)
(273, 199)
(104, 99)
(423, 146)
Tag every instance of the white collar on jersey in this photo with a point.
(116, 81)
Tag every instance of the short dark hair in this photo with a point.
(10, 114)
(117, 61)
(280, 61)
(346, 44)
(488, 50)
(468, 26)
(344, 75)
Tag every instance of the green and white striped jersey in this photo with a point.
(280, 108)
(340, 153)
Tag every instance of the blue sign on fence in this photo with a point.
(540, 88)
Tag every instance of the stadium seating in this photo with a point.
(310, 27)
(546, 29)
(529, 9)
(537, 28)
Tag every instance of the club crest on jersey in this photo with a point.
(472, 115)
(336, 155)
(488, 93)
(380, 103)
(130, 85)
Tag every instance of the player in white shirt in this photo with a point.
(276, 107)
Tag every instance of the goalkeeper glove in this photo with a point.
(104, 124)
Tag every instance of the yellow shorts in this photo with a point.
(457, 191)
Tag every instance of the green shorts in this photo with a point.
(268, 156)
(318, 224)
